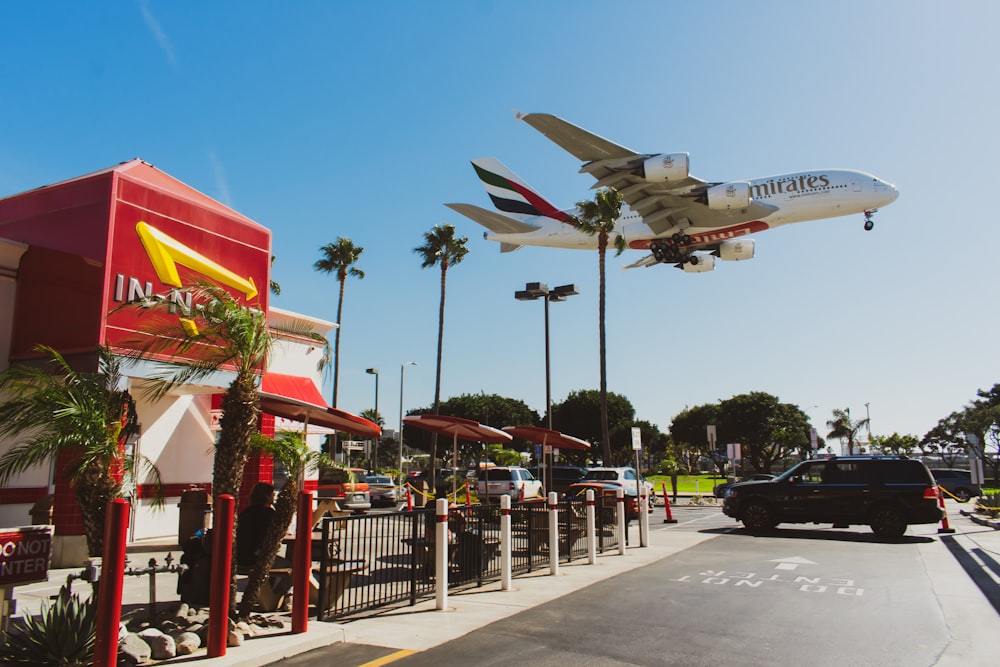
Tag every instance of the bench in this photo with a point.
(336, 577)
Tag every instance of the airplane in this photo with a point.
(680, 219)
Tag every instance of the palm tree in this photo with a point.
(598, 217)
(842, 427)
(339, 258)
(82, 416)
(290, 449)
(440, 248)
(219, 334)
(275, 287)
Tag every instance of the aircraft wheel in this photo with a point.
(868, 225)
(685, 239)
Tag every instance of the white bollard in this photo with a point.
(620, 520)
(644, 519)
(441, 553)
(591, 528)
(505, 543)
(553, 533)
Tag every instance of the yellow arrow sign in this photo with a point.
(166, 253)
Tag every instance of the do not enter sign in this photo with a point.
(24, 555)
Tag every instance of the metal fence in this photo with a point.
(369, 562)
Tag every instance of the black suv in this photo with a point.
(887, 493)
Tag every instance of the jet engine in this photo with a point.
(705, 263)
(665, 168)
(728, 196)
(735, 250)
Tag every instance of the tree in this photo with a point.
(900, 445)
(85, 418)
(598, 217)
(580, 415)
(689, 432)
(766, 429)
(844, 428)
(339, 258)
(219, 333)
(289, 448)
(441, 248)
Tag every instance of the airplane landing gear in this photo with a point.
(667, 252)
(869, 223)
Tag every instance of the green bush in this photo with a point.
(63, 634)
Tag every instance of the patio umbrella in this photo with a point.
(457, 427)
(547, 436)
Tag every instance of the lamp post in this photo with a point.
(533, 292)
(374, 371)
(402, 375)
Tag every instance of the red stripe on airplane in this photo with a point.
(714, 236)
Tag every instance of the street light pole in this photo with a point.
(533, 292)
(374, 371)
(402, 376)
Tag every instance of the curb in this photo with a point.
(982, 521)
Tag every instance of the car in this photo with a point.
(517, 482)
(720, 489)
(623, 476)
(562, 477)
(606, 493)
(887, 493)
(345, 485)
(381, 489)
(957, 482)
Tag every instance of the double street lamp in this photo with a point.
(533, 292)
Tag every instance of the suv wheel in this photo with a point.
(758, 516)
(888, 522)
(963, 494)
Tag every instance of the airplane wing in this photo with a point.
(661, 204)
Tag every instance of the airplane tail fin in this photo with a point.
(493, 221)
(510, 194)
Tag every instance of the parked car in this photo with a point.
(562, 477)
(886, 493)
(720, 489)
(606, 495)
(381, 489)
(345, 485)
(511, 480)
(957, 482)
(624, 477)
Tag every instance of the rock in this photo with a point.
(234, 638)
(161, 646)
(135, 649)
(187, 643)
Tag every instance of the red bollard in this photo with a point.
(409, 499)
(666, 503)
(302, 562)
(222, 557)
(945, 527)
(109, 600)
(468, 495)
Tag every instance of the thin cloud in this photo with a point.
(220, 179)
(154, 27)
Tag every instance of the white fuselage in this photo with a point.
(801, 196)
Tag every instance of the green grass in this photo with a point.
(702, 484)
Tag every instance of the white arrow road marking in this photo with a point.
(790, 563)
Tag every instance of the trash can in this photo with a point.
(41, 512)
(195, 507)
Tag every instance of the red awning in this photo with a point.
(545, 436)
(298, 399)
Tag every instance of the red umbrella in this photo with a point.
(547, 436)
(457, 427)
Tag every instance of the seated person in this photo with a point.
(251, 529)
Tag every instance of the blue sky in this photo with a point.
(327, 119)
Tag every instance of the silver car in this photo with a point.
(382, 489)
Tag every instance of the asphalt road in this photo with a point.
(795, 596)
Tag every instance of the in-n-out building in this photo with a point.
(72, 254)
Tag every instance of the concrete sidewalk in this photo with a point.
(962, 567)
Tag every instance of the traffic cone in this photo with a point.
(409, 499)
(520, 497)
(666, 503)
(945, 527)
(468, 495)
